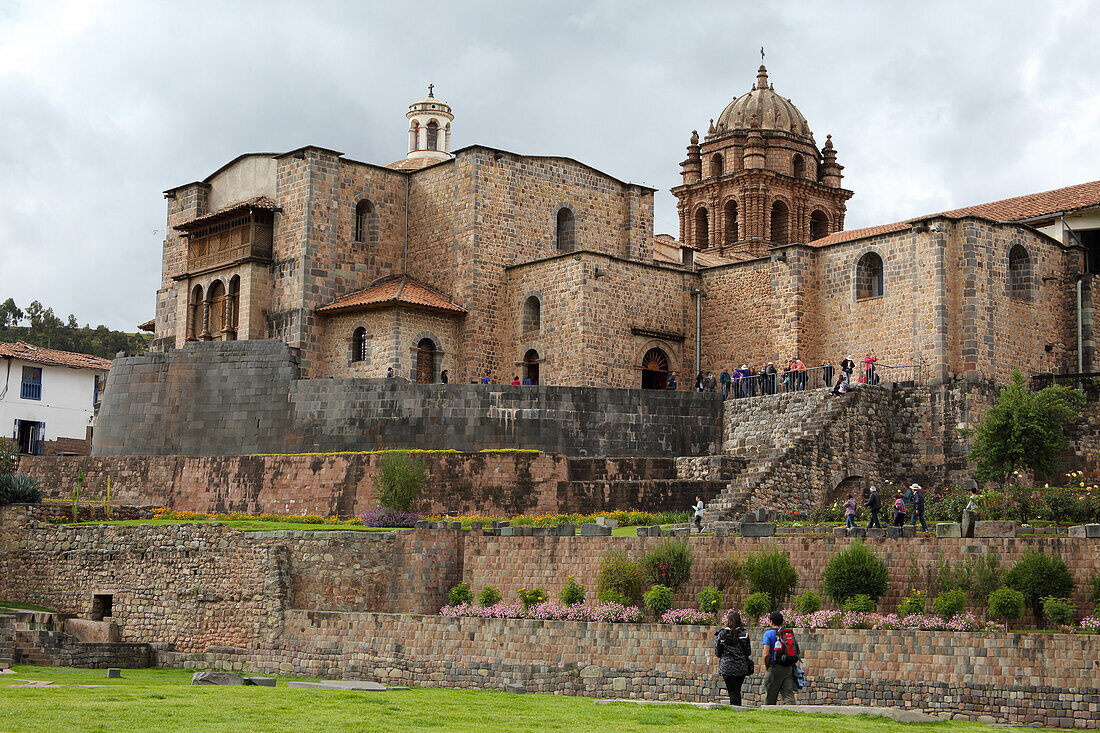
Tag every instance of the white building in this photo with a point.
(48, 397)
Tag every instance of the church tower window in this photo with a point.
(716, 164)
(780, 218)
(798, 166)
(565, 233)
(869, 277)
(366, 230)
(433, 135)
(702, 228)
(1019, 273)
(819, 224)
(732, 234)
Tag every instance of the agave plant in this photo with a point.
(19, 488)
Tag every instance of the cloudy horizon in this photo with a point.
(106, 104)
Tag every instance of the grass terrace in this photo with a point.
(163, 700)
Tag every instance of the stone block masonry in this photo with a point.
(1005, 677)
(458, 483)
(245, 397)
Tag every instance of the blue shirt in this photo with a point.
(769, 642)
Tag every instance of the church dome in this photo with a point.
(773, 111)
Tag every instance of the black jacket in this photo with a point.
(874, 502)
(732, 647)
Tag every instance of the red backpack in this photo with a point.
(786, 647)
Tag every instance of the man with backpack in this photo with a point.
(781, 653)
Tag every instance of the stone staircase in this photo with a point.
(41, 638)
(770, 436)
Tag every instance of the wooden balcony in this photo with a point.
(228, 242)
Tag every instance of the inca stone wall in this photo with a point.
(343, 484)
(233, 398)
(989, 677)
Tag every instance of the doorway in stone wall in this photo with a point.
(655, 369)
(531, 367)
(425, 362)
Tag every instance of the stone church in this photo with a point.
(484, 262)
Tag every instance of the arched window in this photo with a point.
(716, 164)
(365, 231)
(414, 136)
(731, 222)
(425, 361)
(217, 298)
(532, 315)
(819, 224)
(360, 345)
(433, 135)
(566, 230)
(798, 166)
(196, 314)
(702, 228)
(869, 278)
(780, 218)
(1019, 273)
(531, 366)
(655, 369)
(232, 304)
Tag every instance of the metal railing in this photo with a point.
(819, 377)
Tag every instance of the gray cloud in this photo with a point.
(105, 104)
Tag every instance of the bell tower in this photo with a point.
(430, 128)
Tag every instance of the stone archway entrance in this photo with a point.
(852, 484)
(655, 369)
(531, 366)
(425, 362)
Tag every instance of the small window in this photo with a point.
(532, 315)
(716, 164)
(360, 345)
(103, 606)
(365, 229)
(819, 225)
(433, 135)
(1019, 273)
(414, 136)
(798, 166)
(779, 221)
(702, 229)
(31, 388)
(869, 279)
(566, 230)
(732, 234)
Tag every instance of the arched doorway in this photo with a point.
(425, 362)
(531, 366)
(655, 369)
(217, 298)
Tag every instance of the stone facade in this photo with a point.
(343, 484)
(487, 231)
(234, 398)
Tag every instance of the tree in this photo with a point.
(1038, 576)
(10, 314)
(1023, 429)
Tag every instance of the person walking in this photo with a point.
(671, 384)
(874, 503)
(485, 379)
(444, 377)
(780, 656)
(698, 518)
(907, 496)
(710, 383)
(850, 511)
(699, 382)
(724, 379)
(827, 373)
(918, 506)
(899, 509)
(733, 648)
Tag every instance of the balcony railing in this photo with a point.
(223, 244)
(222, 257)
(31, 390)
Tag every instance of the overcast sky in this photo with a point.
(103, 105)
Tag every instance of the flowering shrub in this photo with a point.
(489, 595)
(572, 593)
(710, 600)
(186, 516)
(808, 602)
(687, 616)
(853, 620)
(383, 517)
(658, 599)
(531, 597)
(1091, 624)
(668, 564)
(460, 594)
(548, 611)
(915, 602)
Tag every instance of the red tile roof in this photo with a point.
(1016, 209)
(413, 164)
(394, 290)
(52, 357)
(262, 203)
(150, 325)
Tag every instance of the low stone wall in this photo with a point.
(242, 397)
(511, 563)
(343, 484)
(1047, 679)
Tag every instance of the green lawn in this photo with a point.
(248, 525)
(156, 700)
(24, 607)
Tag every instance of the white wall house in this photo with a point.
(48, 397)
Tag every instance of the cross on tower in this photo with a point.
(431, 88)
(761, 54)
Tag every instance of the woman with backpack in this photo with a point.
(732, 647)
(899, 510)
